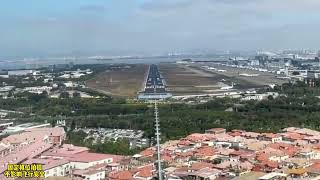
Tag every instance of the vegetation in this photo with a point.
(297, 106)
(120, 147)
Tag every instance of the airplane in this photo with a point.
(227, 87)
(249, 75)
(221, 70)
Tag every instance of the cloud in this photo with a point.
(158, 26)
(94, 8)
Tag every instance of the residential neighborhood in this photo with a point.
(293, 153)
(159, 90)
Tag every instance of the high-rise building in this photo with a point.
(263, 59)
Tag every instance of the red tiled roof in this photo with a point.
(234, 134)
(148, 152)
(316, 146)
(185, 154)
(205, 151)
(167, 158)
(47, 163)
(28, 151)
(215, 130)
(146, 171)
(242, 153)
(262, 157)
(286, 148)
(33, 135)
(197, 137)
(238, 130)
(116, 158)
(89, 157)
(265, 164)
(270, 135)
(57, 131)
(293, 136)
(184, 142)
(316, 165)
(121, 175)
(201, 165)
(271, 164)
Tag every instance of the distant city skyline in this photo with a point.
(147, 27)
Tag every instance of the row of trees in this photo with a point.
(298, 107)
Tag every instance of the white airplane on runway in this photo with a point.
(227, 87)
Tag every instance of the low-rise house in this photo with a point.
(307, 154)
(147, 172)
(297, 162)
(148, 152)
(23, 153)
(52, 167)
(89, 174)
(242, 154)
(66, 150)
(250, 135)
(274, 138)
(4, 150)
(71, 84)
(274, 155)
(6, 89)
(205, 174)
(86, 159)
(20, 72)
(53, 136)
(216, 131)
(255, 145)
(259, 97)
(253, 175)
(314, 169)
(121, 175)
(38, 89)
(196, 166)
(274, 175)
(205, 153)
(297, 173)
(185, 149)
(56, 135)
(288, 149)
(291, 136)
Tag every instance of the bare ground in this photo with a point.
(181, 79)
(120, 82)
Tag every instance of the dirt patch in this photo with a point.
(181, 79)
(243, 82)
(124, 82)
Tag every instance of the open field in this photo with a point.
(181, 79)
(194, 79)
(124, 82)
(263, 78)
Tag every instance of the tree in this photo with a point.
(53, 123)
(295, 73)
(73, 125)
(64, 95)
(76, 95)
(44, 93)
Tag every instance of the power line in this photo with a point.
(157, 125)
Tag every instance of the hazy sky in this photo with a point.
(88, 27)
